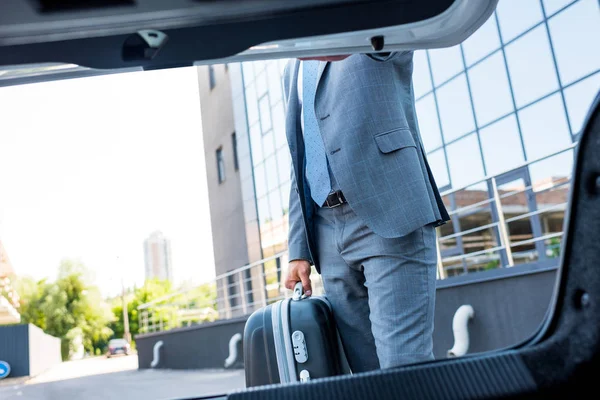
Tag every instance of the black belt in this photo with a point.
(335, 199)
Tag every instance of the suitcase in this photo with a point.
(292, 340)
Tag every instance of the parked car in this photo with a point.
(118, 346)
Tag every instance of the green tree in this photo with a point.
(69, 308)
(151, 290)
(182, 306)
(31, 293)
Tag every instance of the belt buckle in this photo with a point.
(340, 201)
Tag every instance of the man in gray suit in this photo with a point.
(363, 203)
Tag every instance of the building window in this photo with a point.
(232, 291)
(531, 67)
(455, 109)
(220, 165)
(211, 77)
(236, 164)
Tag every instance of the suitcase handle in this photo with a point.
(298, 292)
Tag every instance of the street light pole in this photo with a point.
(126, 334)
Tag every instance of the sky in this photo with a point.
(92, 166)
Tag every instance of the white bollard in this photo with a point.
(233, 353)
(156, 354)
(461, 330)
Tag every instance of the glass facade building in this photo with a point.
(499, 115)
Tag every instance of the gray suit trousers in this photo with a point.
(382, 290)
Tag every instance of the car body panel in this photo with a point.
(37, 45)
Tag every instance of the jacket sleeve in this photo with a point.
(297, 238)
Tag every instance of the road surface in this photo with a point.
(118, 378)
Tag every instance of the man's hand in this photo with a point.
(299, 271)
(326, 58)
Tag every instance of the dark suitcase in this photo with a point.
(292, 340)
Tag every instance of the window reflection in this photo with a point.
(248, 72)
(579, 98)
(551, 182)
(259, 66)
(251, 104)
(429, 123)
(445, 63)
(575, 32)
(552, 6)
(256, 143)
(476, 220)
(275, 205)
(268, 143)
(283, 164)
(516, 20)
(274, 78)
(264, 215)
(285, 196)
(501, 146)
(558, 168)
(437, 163)
(544, 127)
(531, 67)
(455, 108)
(272, 175)
(464, 157)
(265, 113)
(490, 89)
(421, 74)
(481, 43)
(261, 84)
(260, 181)
(516, 206)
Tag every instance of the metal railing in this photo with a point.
(499, 229)
(243, 290)
(233, 294)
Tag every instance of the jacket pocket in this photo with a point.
(394, 140)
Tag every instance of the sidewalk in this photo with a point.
(118, 378)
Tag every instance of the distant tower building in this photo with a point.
(157, 256)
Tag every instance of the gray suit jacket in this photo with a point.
(366, 114)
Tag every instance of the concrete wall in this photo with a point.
(44, 350)
(28, 350)
(225, 199)
(197, 347)
(509, 306)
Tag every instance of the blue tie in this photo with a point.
(317, 172)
